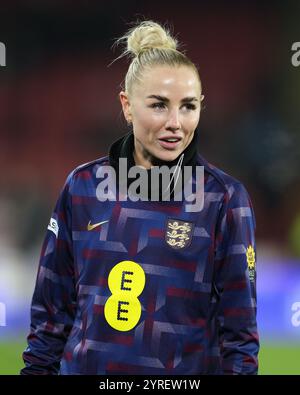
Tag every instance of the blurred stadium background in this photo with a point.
(59, 108)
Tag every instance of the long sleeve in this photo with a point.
(54, 298)
(235, 283)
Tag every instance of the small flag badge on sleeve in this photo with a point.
(53, 226)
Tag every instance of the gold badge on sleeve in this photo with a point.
(250, 254)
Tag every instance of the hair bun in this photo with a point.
(147, 35)
(150, 44)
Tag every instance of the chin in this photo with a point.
(169, 156)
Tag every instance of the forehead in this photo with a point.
(169, 81)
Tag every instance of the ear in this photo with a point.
(126, 107)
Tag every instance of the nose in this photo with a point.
(173, 122)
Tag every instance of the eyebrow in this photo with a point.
(165, 99)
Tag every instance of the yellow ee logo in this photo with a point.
(126, 282)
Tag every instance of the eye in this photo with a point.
(159, 105)
(190, 106)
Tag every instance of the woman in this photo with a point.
(130, 280)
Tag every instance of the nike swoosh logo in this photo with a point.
(93, 226)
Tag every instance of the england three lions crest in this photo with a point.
(178, 233)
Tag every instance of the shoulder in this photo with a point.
(222, 182)
(91, 166)
(85, 171)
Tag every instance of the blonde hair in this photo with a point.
(149, 44)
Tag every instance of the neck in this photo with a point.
(142, 158)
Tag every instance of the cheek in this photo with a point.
(145, 121)
(143, 124)
(195, 120)
(192, 122)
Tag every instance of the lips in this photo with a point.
(169, 142)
